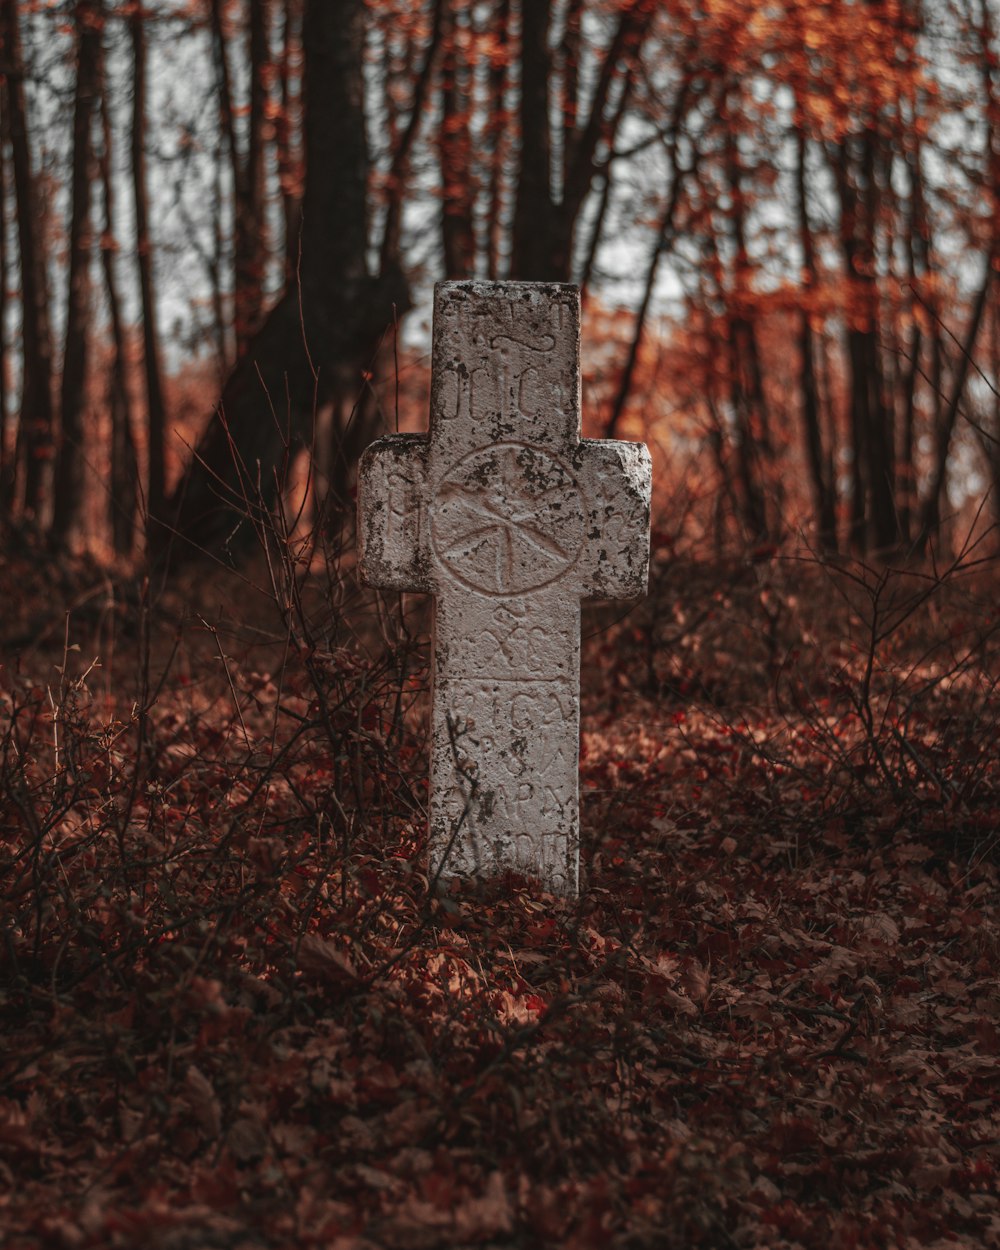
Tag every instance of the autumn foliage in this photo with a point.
(786, 214)
(236, 1013)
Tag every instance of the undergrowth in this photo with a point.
(236, 1014)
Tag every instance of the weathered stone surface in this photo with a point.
(508, 518)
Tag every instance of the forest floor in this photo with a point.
(235, 1014)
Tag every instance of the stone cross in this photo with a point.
(509, 519)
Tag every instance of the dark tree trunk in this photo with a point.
(8, 477)
(532, 241)
(930, 515)
(822, 486)
(286, 136)
(497, 130)
(246, 167)
(124, 460)
(396, 180)
(321, 328)
(36, 430)
(156, 408)
(746, 381)
(455, 147)
(544, 226)
(72, 458)
(873, 506)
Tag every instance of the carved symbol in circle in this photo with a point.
(507, 519)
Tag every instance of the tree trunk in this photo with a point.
(124, 460)
(246, 167)
(496, 140)
(396, 180)
(287, 147)
(455, 151)
(822, 486)
(322, 327)
(873, 515)
(532, 242)
(156, 409)
(36, 431)
(749, 403)
(72, 458)
(8, 477)
(930, 515)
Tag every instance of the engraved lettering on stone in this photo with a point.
(449, 394)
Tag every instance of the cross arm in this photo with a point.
(392, 498)
(617, 483)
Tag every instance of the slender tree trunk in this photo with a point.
(124, 460)
(604, 199)
(822, 487)
(583, 142)
(664, 238)
(873, 515)
(754, 449)
(223, 333)
(546, 218)
(930, 515)
(881, 443)
(569, 60)
(397, 178)
(8, 478)
(251, 234)
(246, 167)
(36, 430)
(532, 241)
(496, 139)
(455, 152)
(918, 252)
(286, 134)
(71, 462)
(596, 234)
(156, 409)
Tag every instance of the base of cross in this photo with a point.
(509, 519)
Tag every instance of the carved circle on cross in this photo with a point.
(507, 519)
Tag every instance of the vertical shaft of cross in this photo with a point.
(505, 741)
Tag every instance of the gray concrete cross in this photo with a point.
(509, 519)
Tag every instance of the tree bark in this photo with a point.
(286, 135)
(36, 431)
(532, 241)
(71, 462)
(822, 486)
(156, 409)
(749, 403)
(455, 152)
(124, 459)
(246, 167)
(8, 478)
(496, 139)
(545, 224)
(396, 179)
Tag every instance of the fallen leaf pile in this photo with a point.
(235, 1014)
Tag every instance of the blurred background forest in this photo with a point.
(221, 220)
